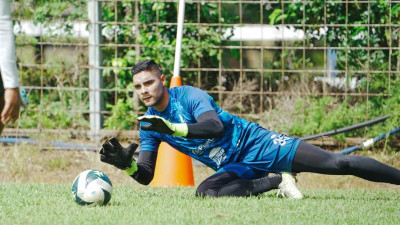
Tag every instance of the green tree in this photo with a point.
(365, 41)
(156, 38)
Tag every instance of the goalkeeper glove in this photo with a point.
(161, 125)
(113, 153)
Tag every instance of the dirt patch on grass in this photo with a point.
(27, 164)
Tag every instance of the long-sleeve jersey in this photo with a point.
(243, 141)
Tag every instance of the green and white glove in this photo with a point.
(161, 125)
(113, 153)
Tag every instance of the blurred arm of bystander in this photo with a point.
(10, 100)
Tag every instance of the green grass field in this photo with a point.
(35, 188)
(133, 204)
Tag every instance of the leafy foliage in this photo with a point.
(147, 29)
(157, 42)
(353, 54)
(123, 117)
(155, 36)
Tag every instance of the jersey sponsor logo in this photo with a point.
(218, 156)
(204, 146)
(280, 139)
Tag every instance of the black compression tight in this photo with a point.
(229, 184)
(309, 158)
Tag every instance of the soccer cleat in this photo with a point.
(288, 188)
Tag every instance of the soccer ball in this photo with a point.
(92, 187)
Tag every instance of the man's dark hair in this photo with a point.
(145, 65)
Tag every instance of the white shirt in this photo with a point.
(8, 62)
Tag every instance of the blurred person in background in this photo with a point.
(10, 100)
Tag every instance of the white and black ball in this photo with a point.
(92, 187)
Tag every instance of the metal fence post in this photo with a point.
(95, 72)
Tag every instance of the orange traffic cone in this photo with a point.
(173, 168)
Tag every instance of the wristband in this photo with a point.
(181, 129)
(130, 171)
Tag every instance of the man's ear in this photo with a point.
(163, 79)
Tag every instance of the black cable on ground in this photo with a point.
(369, 142)
(344, 129)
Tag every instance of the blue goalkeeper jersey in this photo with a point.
(243, 141)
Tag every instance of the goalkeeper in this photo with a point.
(241, 152)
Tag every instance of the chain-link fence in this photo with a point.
(299, 67)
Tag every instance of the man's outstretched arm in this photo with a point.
(113, 153)
(146, 165)
(208, 126)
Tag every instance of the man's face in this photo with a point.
(149, 86)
